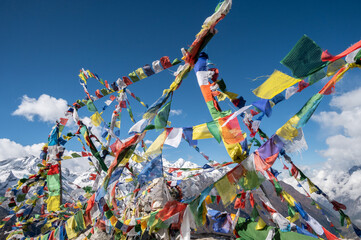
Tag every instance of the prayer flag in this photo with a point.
(274, 85)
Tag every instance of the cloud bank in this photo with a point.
(46, 108)
(11, 149)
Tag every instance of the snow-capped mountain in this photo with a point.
(74, 179)
(13, 169)
(344, 187)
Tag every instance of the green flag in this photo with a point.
(214, 130)
(91, 107)
(161, 119)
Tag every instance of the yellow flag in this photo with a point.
(288, 131)
(348, 221)
(46, 227)
(235, 151)
(335, 66)
(140, 73)
(201, 132)
(82, 77)
(137, 158)
(275, 84)
(157, 145)
(226, 190)
(113, 220)
(143, 223)
(53, 203)
(291, 201)
(221, 97)
(260, 224)
(231, 95)
(294, 218)
(70, 228)
(96, 119)
(117, 124)
(208, 200)
(312, 186)
(128, 180)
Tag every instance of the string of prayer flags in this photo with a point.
(5, 220)
(313, 188)
(233, 148)
(84, 131)
(136, 98)
(329, 88)
(326, 56)
(53, 184)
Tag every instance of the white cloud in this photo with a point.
(47, 108)
(348, 100)
(175, 112)
(340, 175)
(11, 149)
(344, 144)
(148, 142)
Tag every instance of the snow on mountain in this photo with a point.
(74, 179)
(340, 185)
(344, 187)
(13, 169)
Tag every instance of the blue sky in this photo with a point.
(45, 43)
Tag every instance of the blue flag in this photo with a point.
(154, 169)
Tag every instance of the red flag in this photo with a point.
(337, 206)
(171, 208)
(218, 199)
(54, 169)
(63, 121)
(127, 81)
(106, 84)
(112, 97)
(326, 56)
(165, 62)
(84, 154)
(251, 199)
(231, 132)
(97, 93)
